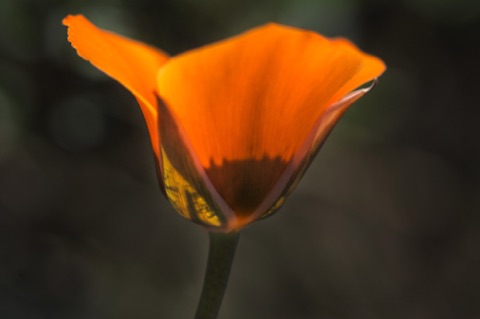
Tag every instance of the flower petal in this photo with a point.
(223, 197)
(371, 68)
(231, 195)
(306, 153)
(134, 64)
(258, 94)
(185, 182)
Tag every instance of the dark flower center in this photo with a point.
(244, 184)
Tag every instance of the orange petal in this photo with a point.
(135, 65)
(302, 159)
(258, 94)
(184, 180)
(222, 198)
(371, 68)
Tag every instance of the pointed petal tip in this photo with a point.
(67, 21)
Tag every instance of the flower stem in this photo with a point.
(220, 258)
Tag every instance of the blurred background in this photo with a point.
(385, 224)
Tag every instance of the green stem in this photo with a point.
(220, 258)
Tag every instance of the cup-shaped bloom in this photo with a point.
(234, 124)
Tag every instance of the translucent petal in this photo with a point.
(134, 64)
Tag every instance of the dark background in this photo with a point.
(385, 224)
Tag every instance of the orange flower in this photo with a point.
(234, 124)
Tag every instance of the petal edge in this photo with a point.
(132, 63)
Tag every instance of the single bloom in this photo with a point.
(234, 124)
